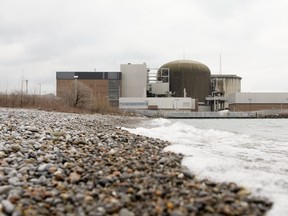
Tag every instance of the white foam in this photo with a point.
(249, 159)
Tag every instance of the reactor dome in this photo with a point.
(190, 75)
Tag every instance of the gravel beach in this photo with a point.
(74, 164)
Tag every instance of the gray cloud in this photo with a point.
(38, 37)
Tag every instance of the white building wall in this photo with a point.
(160, 88)
(172, 103)
(231, 86)
(133, 103)
(204, 108)
(134, 80)
(260, 98)
(227, 84)
(160, 103)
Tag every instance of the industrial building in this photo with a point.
(139, 92)
(99, 88)
(189, 85)
(155, 103)
(134, 80)
(186, 78)
(222, 85)
(257, 101)
(225, 84)
(176, 85)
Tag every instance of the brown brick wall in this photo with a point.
(98, 89)
(256, 107)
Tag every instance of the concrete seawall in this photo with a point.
(223, 114)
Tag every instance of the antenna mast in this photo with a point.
(220, 64)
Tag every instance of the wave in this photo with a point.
(249, 159)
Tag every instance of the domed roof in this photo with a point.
(191, 75)
(186, 65)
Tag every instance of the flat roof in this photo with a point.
(225, 76)
(70, 75)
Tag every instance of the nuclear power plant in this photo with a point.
(177, 85)
(192, 76)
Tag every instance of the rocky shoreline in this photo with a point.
(71, 164)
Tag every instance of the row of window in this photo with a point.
(133, 104)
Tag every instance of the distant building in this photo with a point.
(257, 101)
(225, 84)
(186, 78)
(222, 85)
(139, 93)
(162, 103)
(177, 85)
(134, 80)
(189, 78)
(103, 87)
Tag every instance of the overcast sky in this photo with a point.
(40, 37)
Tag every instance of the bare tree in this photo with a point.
(77, 95)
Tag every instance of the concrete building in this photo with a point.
(101, 88)
(222, 85)
(177, 85)
(135, 85)
(186, 78)
(134, 80)
(225, 84)
(257, 101)
(154, 103)
(160, 88)
(177, 79)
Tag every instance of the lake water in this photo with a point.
(250, 152)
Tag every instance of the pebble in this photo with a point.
(44, 167)
(74, 177)
(79, 164)
(8, 207)
(33, 129)
(4, 189)
(13, 181)
(126, 212)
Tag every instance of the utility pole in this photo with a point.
(21, 93)
(26, 81)
(75, 89)
(75, 85)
